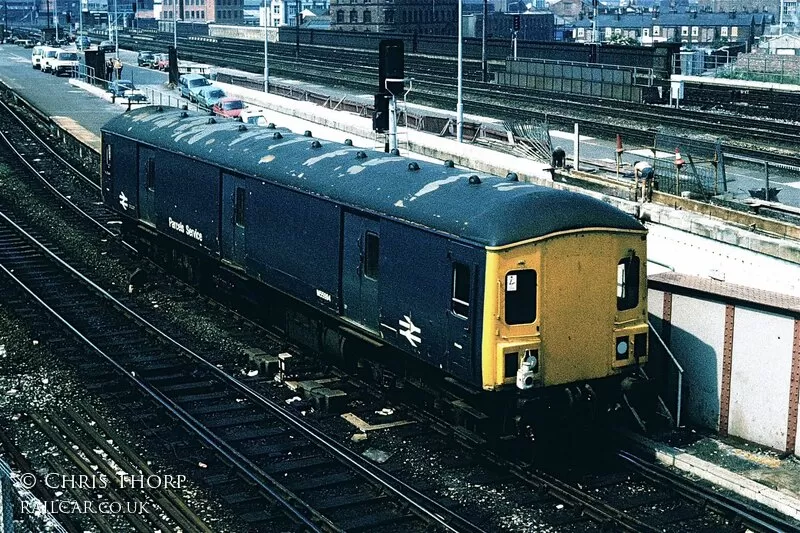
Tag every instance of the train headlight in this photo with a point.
(622, 348)
(526, 375)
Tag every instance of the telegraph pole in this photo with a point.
(459, 101)
(297, 30)
(266, 46)
(484, 64)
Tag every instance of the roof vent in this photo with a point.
(361, 154)
(277, 135)
(307, 133)
(316, 144)
(474, 180)
(394, 151)
(449, 163)
(159, 109)
(271, 126)
(211, 121)
(512, 176)
(242, 127)
(185, 107)
(413, 166)
(348, 142)
(184, 114)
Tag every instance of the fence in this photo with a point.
(701, 171)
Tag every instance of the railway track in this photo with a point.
(356, 70)
(583, 504)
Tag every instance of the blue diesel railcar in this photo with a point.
(498, 284)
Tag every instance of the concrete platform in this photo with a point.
(753, 472)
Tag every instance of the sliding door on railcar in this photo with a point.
(147, 184)
(360, 275)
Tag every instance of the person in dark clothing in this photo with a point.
(109, 69)
(559, 157)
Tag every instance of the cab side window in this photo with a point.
(520, 297)
(460, 295)
(628, 283)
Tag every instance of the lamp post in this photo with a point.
(175, 24)
(460, 103)
(484, 64)
(297, 30)
(116, 33)
(55, 14)
(266, 46)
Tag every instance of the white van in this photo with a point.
(48, 55)
(65, 62)
(36, 56)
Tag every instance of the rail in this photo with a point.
(680, 370)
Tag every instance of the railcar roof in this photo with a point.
(494, 213)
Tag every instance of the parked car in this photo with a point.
(106, 46)
(48, 54)
(125, 89)
(192, 82)
(36, 56)
(82, 42)
(145, 58)
(208, 96)
(65, 62)
(25, 43)
(228, 107)
(161, 62)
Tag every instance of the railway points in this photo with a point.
(765, 453)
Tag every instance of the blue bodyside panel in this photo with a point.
(293, 243)
(120, 191)
(415, 299)
(187, 201)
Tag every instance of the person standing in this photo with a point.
(644, 171)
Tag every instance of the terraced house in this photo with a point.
(691, 27)
(399, 16)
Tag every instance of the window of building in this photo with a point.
(617, 31)
(367, 17)
(684, 31)
(276, 9)
(656, 31)
(645, 32)
(734, 31)
(461, 294)
(581, 32)
(371, 255)
(724, 31)
(388, 16)
(340, 16)
(628, 283)
(240, 206)
(150, 174)
(202, 14)
(695, 31)
(520, 307)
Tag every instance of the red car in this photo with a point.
(161, 62)
(228, 107)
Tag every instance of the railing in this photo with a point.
(679, 368)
